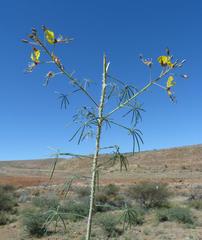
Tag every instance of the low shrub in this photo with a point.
(109, 198)
(150, 195)
(179, 214)
(82, 191)
(34, 222)
(196, 193)
(8, 188)
(111, 190)
(116, 201)
(4, 218)
(109, 225)
(197, 204)
(47, 202)
(7, 199)
(101, 197)
(74, 211)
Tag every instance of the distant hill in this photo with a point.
(176, 165)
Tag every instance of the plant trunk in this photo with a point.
(97, 148)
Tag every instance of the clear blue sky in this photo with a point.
(30, 117)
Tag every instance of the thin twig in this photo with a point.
(68, 74)
(138, 93)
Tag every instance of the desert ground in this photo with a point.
(180, 168)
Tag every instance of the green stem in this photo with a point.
(97, 149)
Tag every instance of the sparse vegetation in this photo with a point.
(195, 198)
(8, 204)
(196, 194)
(34, 222)
(109, 198)
(111, 190)
(131, 217)
(197, 204)
(48, 201)
(150, 195)
(109, 223)
(74, 211)
(8, 188)
(179, 214)
(82, 191)
(7, 199)
(4, 218)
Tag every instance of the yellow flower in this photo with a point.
(50, 36)
(165, 61)
(170, 82)
(35, 55)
